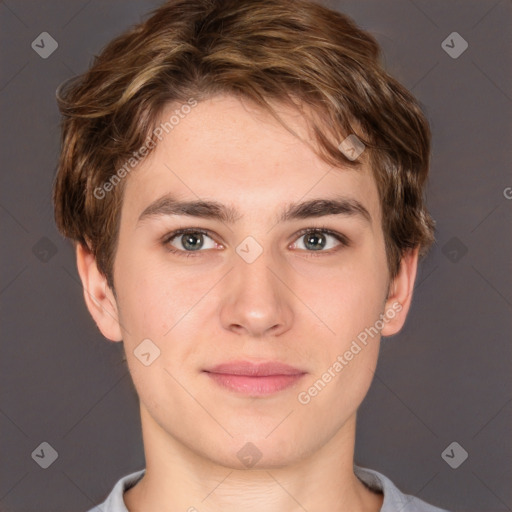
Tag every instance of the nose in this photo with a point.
(256, 299)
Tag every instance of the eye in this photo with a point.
(189, 240)
(320, 240)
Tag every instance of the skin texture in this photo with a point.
(294, 305)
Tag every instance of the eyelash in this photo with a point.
(344, 241)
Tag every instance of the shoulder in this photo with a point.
(114, 501)
(394, 499)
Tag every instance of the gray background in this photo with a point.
(446, 377)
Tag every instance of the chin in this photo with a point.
(259, 451)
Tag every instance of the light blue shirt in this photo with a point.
(394, 500)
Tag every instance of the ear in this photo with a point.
(99, 298)
(399, 297)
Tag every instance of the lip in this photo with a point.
(255, 379)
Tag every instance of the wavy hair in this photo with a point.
(294, 52)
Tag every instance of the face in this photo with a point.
(251, 319)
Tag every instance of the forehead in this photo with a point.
(236, 154)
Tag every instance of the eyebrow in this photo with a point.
(168, 205)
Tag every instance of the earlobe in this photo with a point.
(400, 294)
(98, 296)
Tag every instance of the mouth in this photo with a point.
(255, 379)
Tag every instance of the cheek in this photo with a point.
(349, 300)
(154, 296)
(346, 296)
(335, 393)
(168, 307)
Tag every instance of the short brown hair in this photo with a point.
(261, 50)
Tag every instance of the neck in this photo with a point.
(178, 478)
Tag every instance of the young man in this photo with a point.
(244, 186)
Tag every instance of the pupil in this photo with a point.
(192, 242)
(315, 238)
